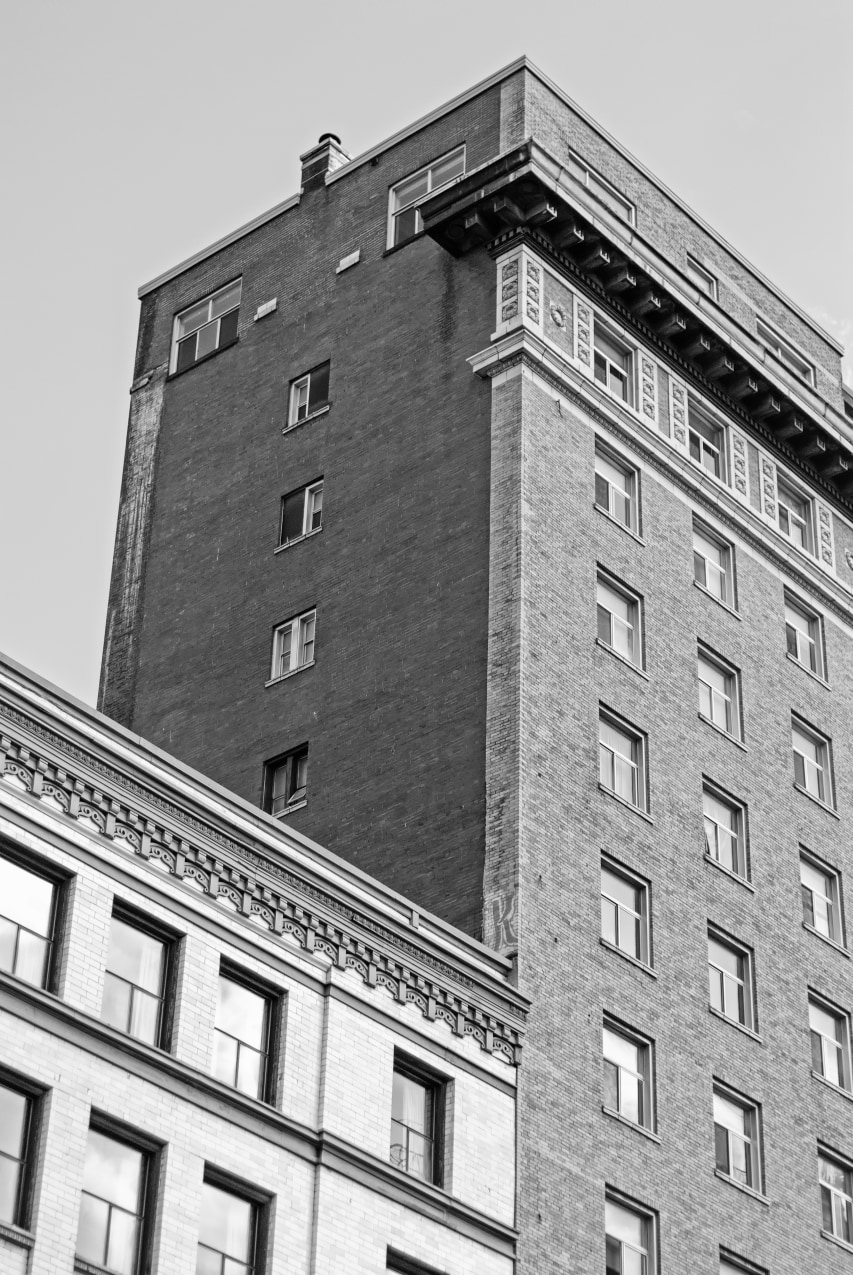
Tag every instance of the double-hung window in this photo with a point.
(206, 327)
(730, 978)
(16, 1122)
(629, 1239)
(724, 831)
(811, 761)
(112, 1204)
(409, 194)
(242, 1036)
(785, 353)
(621, 760)
(712, 565)
(309, 394)
(613, 363)
(625, 912)
(293, 645)
(28, 908)
(718, 693)
(616, 485)
(627, 1075)
(736, 1139)
(707, 441)
(795, 516)
(821, 896)
(829, 1028)
(286, 782)
(618, 619)
(417, 1119)
(803, 635)
(836, 1197)
(301, 512)
(135, 980)
(228, 1232)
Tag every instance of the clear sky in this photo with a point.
(134, 134)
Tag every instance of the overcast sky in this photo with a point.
(134, 134)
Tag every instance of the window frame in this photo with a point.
(817, 638)
(312, 409)
(649, 1219)
(297, 794)
(835, 898)
(740, 853)
(644, 927)
(745, 954)
(131, 917)
(700, 417)
(699, 275)
(627, 375)
(601, 189)
(731, 694)
(177, 340)
(630, 494)
(725, 569)
(307, 491)
(732, 1264)
(297, 627)
(751, 1137)
(785, 352)
(259, 1199)
(400, 1264)
(59, 882)
(788, 495)
(394, 213)
(33, 1094)
(638, 759)
(438, 1086)
(843, 1163)
(645, 1073)
(825, 796)
(273, 998)
(151, 1149)
(816, 1000)
(604, 579)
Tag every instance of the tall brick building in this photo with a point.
(490, 519)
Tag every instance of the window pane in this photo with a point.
(193, 318)
(112, 1170)
(446, 169)
(135, 956)
(115, 1008)
(207, 340)
(92, 1229)
(31, 960)
(25, 898)
(414, 188)
(292, 516)
(10, 1172)
(410, 1103)
(224, 1058)
(13, 1115)
(124, 1234)
(241, 1012)
(226, 299)
(226, 1222)
(319, 388)
(249, 1067)
(623, 1224)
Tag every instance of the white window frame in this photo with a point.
(788, 355)
(723, 842)
(178, 338)
(622, 765)
(647, 1249)
(830, 1053)
(789, 522)
(626, 919)
(394, 212)
(728, 983)
(701, 278)
(806, 638)
(699, 419)
(312, 502)
(295, 639)
(749, 1136)
(721, 573)
(603, 190)
(299, 406)
(603, 334)
(830, 906)
(612, 629)
(295, 766)
(812, 775)
(620, 501)
(723, 705)
(640, 1077)
(840, 1201)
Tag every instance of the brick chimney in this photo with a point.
(323, 158)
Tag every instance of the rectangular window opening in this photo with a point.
(206, 327)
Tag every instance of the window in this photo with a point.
(308, 394)
(16, 1116)
(729, 973)
(301, 513)
(702, 278)
(286, 781)
(707, 441)
(619, 620)
(417, 1118)
(241, 1037)
(724, 831)
(206, 327)
(795, 516)
(112, 1204)
(836, 1197)
(27, 922)
(293, 645)
(785, 353)
(613, 363)
(811, 761)
(718, 693)
(596, 185)
(830, 1042)
(616, 489)
(621, 761)
(736, 1139)
(402, 1265)
(407, 195)
(803, 635)
(227, 1233)
(135, 980)
(736, 1266)
(627, 1075)
(821, 895)
(712, 565)
(629, 1240)
(625, 912)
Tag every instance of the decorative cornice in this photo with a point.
(288, 906)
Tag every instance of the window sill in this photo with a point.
(727, 606)
(306, 420)
(622, 658)
(825, 938)
(725, 734)
(395, 247)
(709, 858)
(732, 1022)
(284, 677)
(16, 1236)
(740, 1186)
(627, 804)
(631, 1124)
(827, 1235)
(845, 1093)
(816, 677)
(205, 358)
(629, 531)
(817, 801)
(297, 540)
(626, 956)
(90, 1268)
(297, 805)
